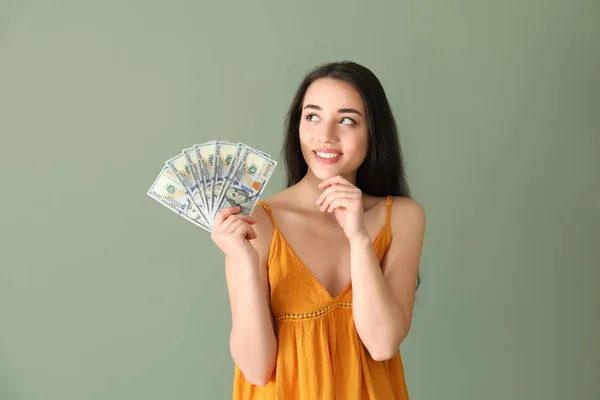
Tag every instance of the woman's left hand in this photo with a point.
(345, 200)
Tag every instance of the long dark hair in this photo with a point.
(382, 172)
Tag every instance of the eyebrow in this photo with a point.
(341, 110)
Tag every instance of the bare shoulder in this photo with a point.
(406, 204)
(264, 232)
(408, 216)
(280, 199)
(264, 225)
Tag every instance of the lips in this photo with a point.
(327, 156)
(327, 152)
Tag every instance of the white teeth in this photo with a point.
(328, 155)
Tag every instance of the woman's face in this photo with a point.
(333, 129)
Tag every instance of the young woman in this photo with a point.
(322, 276)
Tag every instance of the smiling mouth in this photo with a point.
(327, 155)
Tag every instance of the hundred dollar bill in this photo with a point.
(226, 155)
(257, 150)
(183, 172)
(168, 191)
(191, 157)
(247, 182)
(263, 153)
(205, 153)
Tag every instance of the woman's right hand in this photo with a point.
(232, 233)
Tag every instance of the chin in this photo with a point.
(344, 167)
(324, 173)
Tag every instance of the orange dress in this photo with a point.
(320, 355)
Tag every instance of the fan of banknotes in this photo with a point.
(205, 178)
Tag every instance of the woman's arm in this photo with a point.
(382, 302)
(253, 343)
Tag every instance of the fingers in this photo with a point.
(223, 215)
(338, 189)
(337, 179)
(336, 184)
(232, 226)
(233, 218)
(241, 231)
(348, 203)
(244, 232)
(342, 189)
(232, 232)
(327, 201)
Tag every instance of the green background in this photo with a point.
(105, 294)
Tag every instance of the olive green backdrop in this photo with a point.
(105, 294)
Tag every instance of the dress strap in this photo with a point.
(388, 202)
(269, 212)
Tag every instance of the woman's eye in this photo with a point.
(348, 119)
(310, 117)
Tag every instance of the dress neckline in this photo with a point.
(313, 278)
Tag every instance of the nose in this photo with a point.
(327, 133)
